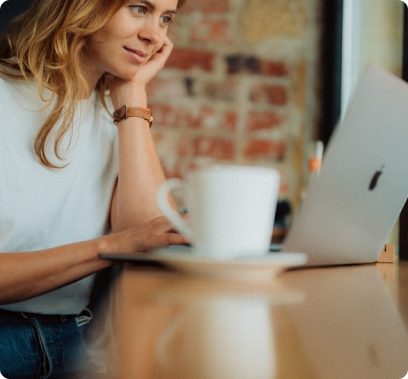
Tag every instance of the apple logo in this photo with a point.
(376, 176)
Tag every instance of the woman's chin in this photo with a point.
(128, 74)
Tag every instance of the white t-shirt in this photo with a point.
(42, 207)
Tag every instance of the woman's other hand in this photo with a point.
(144, 237)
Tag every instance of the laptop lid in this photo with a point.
(351, 207)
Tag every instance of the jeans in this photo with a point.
(39, 346)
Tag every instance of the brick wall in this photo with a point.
(240, 87)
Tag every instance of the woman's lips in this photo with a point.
(136, 55)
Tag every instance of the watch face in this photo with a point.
(119, 114)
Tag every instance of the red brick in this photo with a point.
(171, 87)
(165, 141)
(205, 6)
(183, 148)
(176, 116)
(264, 120)
(164, 115)
(271, 94)
(187, 59)
(274, 68)
(230, 121)
(263, 148)
(213, 147)
(212, 31)
(224, 90)
(209, 118)
(197, 118)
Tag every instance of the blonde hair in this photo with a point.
(44, 45)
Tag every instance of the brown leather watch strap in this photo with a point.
(125, 112)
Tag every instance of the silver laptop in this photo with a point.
(351, 207)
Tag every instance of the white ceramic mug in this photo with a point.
(231, 209)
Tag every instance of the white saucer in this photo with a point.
(254, 267)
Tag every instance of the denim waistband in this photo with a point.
(43, 346)
(81, 319)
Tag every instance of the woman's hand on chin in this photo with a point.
(133, 91)
(156, 62)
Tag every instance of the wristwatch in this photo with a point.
(124, 112)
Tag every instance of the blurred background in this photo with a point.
(260, 81)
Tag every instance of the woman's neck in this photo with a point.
(90, 73)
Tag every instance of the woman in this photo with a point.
(74, 184)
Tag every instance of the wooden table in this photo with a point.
(340, 322)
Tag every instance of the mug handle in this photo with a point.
(177, 221)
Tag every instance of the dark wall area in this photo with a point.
(10, 9)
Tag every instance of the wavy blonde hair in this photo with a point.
(44, 45)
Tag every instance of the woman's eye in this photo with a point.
(138, 9)
(166, 20)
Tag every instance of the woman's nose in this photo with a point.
(150, 33)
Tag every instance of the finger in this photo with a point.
(160, 220)
(168, 43)
(176, 239)
(163, 224)
(164, 51)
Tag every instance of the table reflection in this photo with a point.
(349, 327)
(312, 323)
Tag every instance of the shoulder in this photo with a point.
(13, 84)
(12, 88)
(7, 93)
(17, 92)
(6, 87)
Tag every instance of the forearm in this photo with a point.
(28, 274)
(140, 171)
(140, 175)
